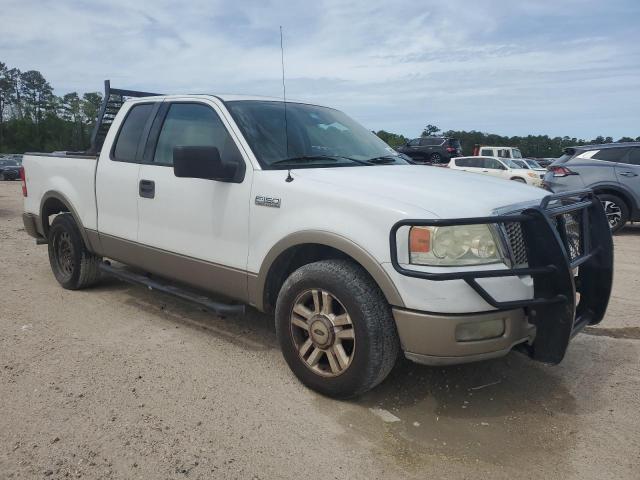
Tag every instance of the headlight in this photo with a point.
(451, 246)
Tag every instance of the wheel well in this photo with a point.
(51, 206)
(625, 198)
(289, 261)
(518, 178)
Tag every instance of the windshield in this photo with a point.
(533, 164)
(516, 153)
(318, 136)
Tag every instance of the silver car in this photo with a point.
(612, 170)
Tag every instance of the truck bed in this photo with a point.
(71, 175)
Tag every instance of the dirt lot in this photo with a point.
(120, 382)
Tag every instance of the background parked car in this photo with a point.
(502, 152)
(529, 164)
(612, 170)
(497, 167)
(432, 149)
(9, 169)
(544, 162)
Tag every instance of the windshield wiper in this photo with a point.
(382, 160)
(311, 158)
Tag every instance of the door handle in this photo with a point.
(628, 174)
(147, 188)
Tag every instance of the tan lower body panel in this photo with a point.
(207, 276)
(430, 338)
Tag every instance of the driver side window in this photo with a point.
(193, 124)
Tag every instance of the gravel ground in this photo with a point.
(120, 382)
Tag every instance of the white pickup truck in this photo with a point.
(297, 209)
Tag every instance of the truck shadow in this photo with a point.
(510, 411)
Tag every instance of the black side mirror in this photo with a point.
(202, 162)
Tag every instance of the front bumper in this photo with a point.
(565, 234)
(431, 338)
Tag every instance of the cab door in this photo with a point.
(628, 172)
(192, 229)
(117, 175)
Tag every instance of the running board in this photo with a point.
(206, 302)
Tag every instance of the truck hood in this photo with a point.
(440, 191)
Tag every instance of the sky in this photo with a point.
(512, 67)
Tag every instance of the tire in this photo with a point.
(72, 264)
(518, 179)
(435, 158)
(616, 210)
(370, 354)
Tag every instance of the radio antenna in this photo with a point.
(284, 95)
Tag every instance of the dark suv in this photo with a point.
(612, 170)
(9, 169)
(432, 149)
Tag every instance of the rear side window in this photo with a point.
(126, 147)
(610, 154)
(195, 125)
(486, 151)
(462, 162)
(431, 141)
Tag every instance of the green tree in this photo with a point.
(392, 139)
(430, 131)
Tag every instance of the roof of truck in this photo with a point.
(225, 97)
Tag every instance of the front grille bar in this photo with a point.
(542, 216)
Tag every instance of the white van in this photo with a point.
(502, 152)
(496, 167)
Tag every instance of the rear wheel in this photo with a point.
(73, 265)
(435, 158)
(336, 329)
(616, 210)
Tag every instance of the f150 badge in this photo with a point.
(268, 201)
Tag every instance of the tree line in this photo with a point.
(32, 118)
(537, 146)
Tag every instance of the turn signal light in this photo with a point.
(419, 240)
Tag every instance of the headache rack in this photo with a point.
(564, 244)
(111, 103)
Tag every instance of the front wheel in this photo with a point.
(336, 329)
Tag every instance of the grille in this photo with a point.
(516, 241)
(569, 226)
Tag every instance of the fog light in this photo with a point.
(468, 332)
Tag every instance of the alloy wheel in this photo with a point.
(323, 333)
(613, 212)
